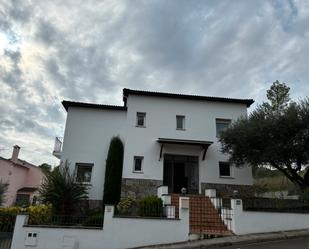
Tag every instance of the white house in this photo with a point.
(169, 139)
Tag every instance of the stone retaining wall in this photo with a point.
(137, 188)
(227, 190)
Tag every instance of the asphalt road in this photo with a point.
(300, 243)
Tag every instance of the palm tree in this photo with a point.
(3, 189)
(61, 189)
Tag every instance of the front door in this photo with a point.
(181, 172)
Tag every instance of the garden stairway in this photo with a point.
(204, 217)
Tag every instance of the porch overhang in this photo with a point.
(200, 143)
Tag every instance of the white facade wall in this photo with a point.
(88, 133)
(86, 140)
(117, 233)
(247, 222)
(200, 124)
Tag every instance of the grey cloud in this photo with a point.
(93, 49)
(14, 76)
(20, 10)
(47, 33)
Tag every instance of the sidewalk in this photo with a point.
(232, 240)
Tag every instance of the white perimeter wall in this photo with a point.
(118, 233)
(86, 140)
(247, 222)
(200, 124)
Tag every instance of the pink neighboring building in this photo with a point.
(23, 178)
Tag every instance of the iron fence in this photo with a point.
(7, 223)
(219, 216)
(275, 205)
(154, 211)
(67, 221)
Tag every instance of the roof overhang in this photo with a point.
(127, 92)
(66, 104)
(27, 189)
(200, 143)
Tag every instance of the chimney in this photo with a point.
(15, 153)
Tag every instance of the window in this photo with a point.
(138, 164)
(141, 119)
(84, 171)
(180, 122)
(22, 200)
(221, 125)
(224, 169)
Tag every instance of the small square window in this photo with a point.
(84, 171)
(221, 125)
(224, 169)
(138, 164)
(180, 122)
(141, 119)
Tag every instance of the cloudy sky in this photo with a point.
(89, 50)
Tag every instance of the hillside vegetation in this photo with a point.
(271, 180)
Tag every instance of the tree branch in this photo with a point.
(286, 173)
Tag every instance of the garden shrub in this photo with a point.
(39, 214)
(151, 206)
(7, 218)
(61, 189)
(127, 206)
(11, 210)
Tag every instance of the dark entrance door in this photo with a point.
(181, 172)
(180, 179)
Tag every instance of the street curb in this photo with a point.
(232, 240)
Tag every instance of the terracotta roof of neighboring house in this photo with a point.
(27, 189)
(21, 163)
(67, 104)
(16, 164)
(25, 163)
(127, 92)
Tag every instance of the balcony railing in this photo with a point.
(57, 147)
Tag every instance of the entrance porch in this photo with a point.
(180, 171)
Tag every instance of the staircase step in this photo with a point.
(204, 217)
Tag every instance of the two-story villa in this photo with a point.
(169, 139)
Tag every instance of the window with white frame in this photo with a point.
(141, 119)
(180, 122)
(224, 169)
(138, 164)
(84, 172)
(221, 125)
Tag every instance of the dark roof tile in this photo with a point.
(27, 189)
(127, 92)
(67, 104)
